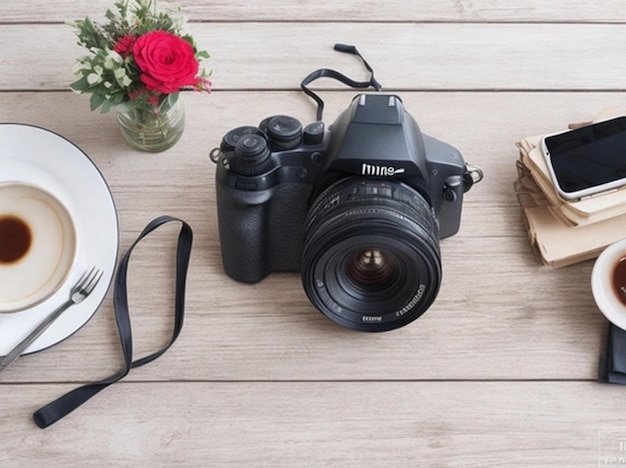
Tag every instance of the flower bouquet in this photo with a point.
(138, 62)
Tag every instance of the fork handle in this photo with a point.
(17, 351)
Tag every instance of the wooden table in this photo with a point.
(501, 371)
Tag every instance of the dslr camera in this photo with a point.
(357, 209)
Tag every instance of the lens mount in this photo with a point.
(371, 255)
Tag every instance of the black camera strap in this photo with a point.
(335, 75)
(67, 403)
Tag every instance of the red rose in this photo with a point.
(167, 62)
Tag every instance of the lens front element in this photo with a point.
(372, 270)
(371, 256)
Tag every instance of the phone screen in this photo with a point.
(589, 157)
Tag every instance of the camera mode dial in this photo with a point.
(251, 155)
(284, 132)
(229, 141)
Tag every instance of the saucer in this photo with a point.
(43, 158)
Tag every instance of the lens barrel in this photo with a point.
(371, 258)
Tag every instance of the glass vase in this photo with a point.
(153, 128)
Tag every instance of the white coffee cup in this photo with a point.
(38, 245)
(603, 287)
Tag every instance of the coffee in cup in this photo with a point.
(619, 279)
(608, 283)
(38, 244)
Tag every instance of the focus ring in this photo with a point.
(351, 222)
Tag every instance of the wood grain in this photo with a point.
(269, 330)
(484, 57)
(355, 424)
(610, 11)
(499, 372)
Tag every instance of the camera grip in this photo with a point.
(243, 218)
(262, 231)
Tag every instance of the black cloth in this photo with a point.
(613, 359)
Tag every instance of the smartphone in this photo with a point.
(588, 160)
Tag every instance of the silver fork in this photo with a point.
(85, 285)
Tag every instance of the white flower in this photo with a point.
(96, 76)
(121, 77)
(112, 60)
(92, 79)
(179, 21)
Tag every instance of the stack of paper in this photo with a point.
(565, 231)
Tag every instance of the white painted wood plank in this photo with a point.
(500, 371)
(269, 330)
(346, 10)
(354, 424)
(405, 56)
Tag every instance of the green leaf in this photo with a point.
(81, 85)
(169, 102)
(172, 98)
(106, 107)
(110, 15)
(96, 100)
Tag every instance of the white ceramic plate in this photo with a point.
(41, 157)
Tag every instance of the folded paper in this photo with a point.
(565, 231)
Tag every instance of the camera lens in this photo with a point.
(371, 257)
(371, 270)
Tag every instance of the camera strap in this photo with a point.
(67, 403)
(335, 75)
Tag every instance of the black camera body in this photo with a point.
(302, 199)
